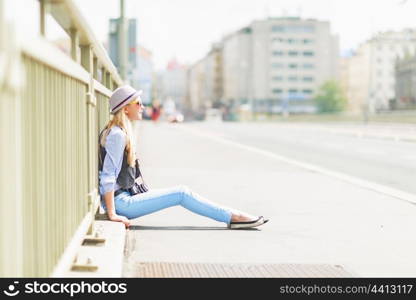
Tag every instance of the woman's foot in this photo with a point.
(242, 217)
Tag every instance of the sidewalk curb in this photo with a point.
(108, 256)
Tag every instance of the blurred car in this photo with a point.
(176, 117)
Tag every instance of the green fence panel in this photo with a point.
(55, 164)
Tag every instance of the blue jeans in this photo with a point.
(154, 200)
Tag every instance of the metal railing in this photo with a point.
(50, 116)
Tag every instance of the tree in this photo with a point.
(330, 98)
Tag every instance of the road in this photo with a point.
(314, 218)
(385, 161)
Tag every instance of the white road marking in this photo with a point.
(344, 177)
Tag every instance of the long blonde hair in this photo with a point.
(121, 120)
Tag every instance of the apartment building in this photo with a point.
(205, 81)
(355, 79)
(405, 76)
(372, 69)
(292, 57)
(237, 67)
(276, 64)
(171, 83)
(196, 99)
(143, 74)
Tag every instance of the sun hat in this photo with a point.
(122, 96)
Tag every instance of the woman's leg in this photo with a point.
(155, 200)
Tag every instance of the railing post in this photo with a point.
(86, 57)
(74, 44)
(95, 68)
(103, 76)
(11, 220)
(108, 81)
(87, 61)
(42, 17)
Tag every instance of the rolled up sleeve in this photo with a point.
(115, 144)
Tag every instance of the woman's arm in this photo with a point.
(115, 144)
(111, 211)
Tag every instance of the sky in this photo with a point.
(186, 29)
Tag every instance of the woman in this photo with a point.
(124, 194)
(156, 111)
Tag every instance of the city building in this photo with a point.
(237, 67)
(171, 83)
(205, 88)
(405, 76)
(372, 82)
(139, 70)
(114, 45)
(272, 65)
(291, 58)
(143, 75)
(344, 78)
(196, 101)
(355, 79)
(214, 88)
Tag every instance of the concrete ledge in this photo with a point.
(107, 257)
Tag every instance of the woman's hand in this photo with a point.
(117, 218)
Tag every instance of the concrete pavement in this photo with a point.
(314, 219)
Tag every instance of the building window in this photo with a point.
(293, 28)
(307, 28)
(291, 41)
(277, 91)
(277, 78)
(293, 53)
(308, 79)
(277, 40)
(308, 53)
(307, 41)
(278, 28)
(307, 91)
(292, 78)
(278, 53)
(308, 66)
(293, 66)
(277, 66)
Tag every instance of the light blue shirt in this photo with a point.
(114, 145)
